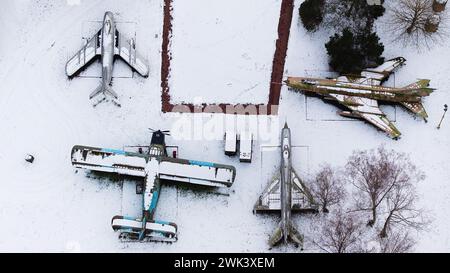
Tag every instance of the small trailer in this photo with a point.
(245, 147)
(230, 143)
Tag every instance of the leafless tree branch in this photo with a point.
(327, 187)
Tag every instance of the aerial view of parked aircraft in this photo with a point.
(107, 43)
(154, 166)
(286, 193)
(361, 94)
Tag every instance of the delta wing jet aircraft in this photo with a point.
(107, 43)
(154, 167)
(361, 94)
(286, 193)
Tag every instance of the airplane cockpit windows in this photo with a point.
(309, 82)
(108, 27)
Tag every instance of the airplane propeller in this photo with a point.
(165, 132)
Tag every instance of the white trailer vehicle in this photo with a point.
(230, 143)
(245, 147)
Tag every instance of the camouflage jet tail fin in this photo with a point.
(420, 88)
(419, 84)
(417, 108)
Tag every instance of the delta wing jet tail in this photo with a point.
(293, 235)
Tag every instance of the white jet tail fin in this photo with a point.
(103, 89)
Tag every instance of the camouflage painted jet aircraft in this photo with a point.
(286, 193)
(361, 94)
(154, 166)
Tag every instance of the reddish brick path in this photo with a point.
(166, 57)
(284, 27)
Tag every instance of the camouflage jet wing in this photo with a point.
(270, 200)
(367, 109)
(126, 49)
(86, 54)
(379, 74)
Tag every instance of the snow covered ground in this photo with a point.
(48, 206)
(223, 50)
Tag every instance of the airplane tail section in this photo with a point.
(277, 236)
(103, 89)
(420, 88)
(293, 236)
(417, 108)
(144, 230)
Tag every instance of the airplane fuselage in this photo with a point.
(107, 44)
(326, 87)
(286, 182)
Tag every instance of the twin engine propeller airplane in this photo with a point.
(107, 43)
(286, 193)
(360, 94)
(154, 167)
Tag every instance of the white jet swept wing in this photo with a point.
(126, 49)
(83, 57)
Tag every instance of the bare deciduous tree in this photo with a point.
(401, 210)
(409, 22)
(397, 242)
(340, 234)
(375, 174)
(327, 187)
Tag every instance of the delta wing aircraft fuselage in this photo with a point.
(286, 193)
(107, 43)
(361, 94)
(286, 182)
(154, 166)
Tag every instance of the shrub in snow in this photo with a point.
(356, 15)
(432, 24)
(351, 53)
(439, 5)
(311, 14)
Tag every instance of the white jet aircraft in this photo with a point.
(107, 43)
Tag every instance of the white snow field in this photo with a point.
(48, 206)
(223, 50)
